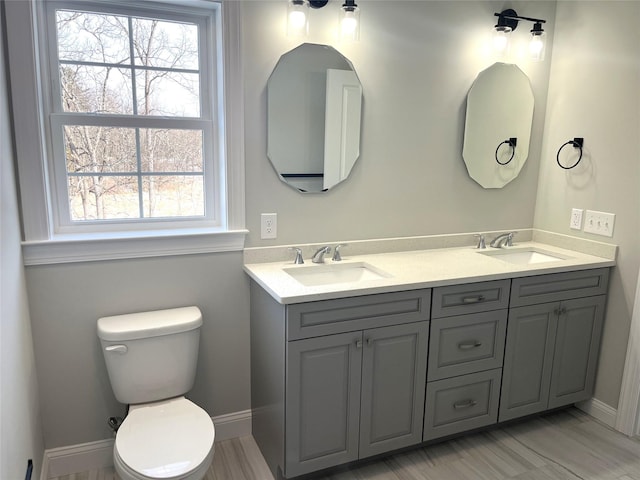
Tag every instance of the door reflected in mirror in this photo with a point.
(498, 125)
(314, 107)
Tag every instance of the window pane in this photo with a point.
(165, 44)
(96, 89)
(168, 93)
(101, 197)
(171, 150)
(92, 37)
(173, 196)
(99, 149)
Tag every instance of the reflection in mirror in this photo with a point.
(498, 125)
(314, 105)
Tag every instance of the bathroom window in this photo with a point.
(135, 132)
(132, 123)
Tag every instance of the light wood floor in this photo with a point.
(565, 445)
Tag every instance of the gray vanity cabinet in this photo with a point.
(354, 395)
(466, 347)
(552, 348)
(337, 380)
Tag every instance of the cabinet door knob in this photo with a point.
(358, 343)
(465, 404)
(469, 345)
(369, 342)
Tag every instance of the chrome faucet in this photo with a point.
(336, 252)
(318, 257)
(503, 240)
(481, 241)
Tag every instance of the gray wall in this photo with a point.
(20, 429)
(416, 60)
(594, 93)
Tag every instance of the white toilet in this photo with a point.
(151, 358)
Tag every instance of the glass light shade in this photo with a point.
(297, 18)
(349, 23)
(537, 46)
(501, 40)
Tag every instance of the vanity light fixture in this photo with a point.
(507, 23)
(349, 21)
(298, 16)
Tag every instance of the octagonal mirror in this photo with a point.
(314, 105)
(498, 125)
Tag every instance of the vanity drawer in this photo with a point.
(558, 286)
(461, 403)
(326, 317)
(470, 298)
(466, 344)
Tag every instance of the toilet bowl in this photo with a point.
(151, 360)
(171, 440)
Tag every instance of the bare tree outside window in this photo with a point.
(114, 66)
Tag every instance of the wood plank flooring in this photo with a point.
(564, 445)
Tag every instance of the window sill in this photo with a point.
(90, 248)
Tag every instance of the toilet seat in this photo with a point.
(171, 440)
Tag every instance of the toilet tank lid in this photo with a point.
(149, 324)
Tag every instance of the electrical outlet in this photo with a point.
(599, 223)
(268, 225)
(576, 219)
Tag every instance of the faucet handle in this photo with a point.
(298, 260)
(336, 252)
(481, 241)
(510, 239)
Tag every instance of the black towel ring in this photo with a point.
(512, 143)
(576, 143)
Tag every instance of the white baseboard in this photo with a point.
(599, 410)
(77, 458)
(93, 455)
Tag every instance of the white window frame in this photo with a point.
(46, 238)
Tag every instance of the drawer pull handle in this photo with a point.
(475, 299)
(469, 345)
(465, 404)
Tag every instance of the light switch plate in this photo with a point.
(576, 219)
(599, 223)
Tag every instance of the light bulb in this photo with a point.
(537, 45)
(349, 22)
(297, 18)
(501, 37)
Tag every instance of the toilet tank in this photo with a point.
(151, 356)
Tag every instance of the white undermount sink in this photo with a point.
(328, 274)
(524, 256)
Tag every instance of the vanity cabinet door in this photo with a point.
(322, 402)
(551, 355)
(576, 350)
(528, 360)
(393, 384)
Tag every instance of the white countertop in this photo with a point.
(415, 269)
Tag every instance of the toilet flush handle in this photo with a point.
(121, 349)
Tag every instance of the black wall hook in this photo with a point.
(577, 142)
(512, 142)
